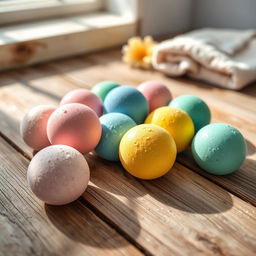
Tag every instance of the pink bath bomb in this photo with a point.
(75, 125)
(156, 93)
(58, 174)
(33, 126)
(86, 97)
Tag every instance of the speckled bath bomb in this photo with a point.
(103, 88)
(86, 97)
(219, 148)
(114, 126)
(127, 100)
(176, 122)
(156, 93)
(58, 174)
(195, 107)
(33, 126)
(147, 151)
(75, 125)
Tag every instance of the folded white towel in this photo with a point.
(220, 56)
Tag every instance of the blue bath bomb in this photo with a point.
(114, 126)
(195, 107)
(219, 148)
(127, 100)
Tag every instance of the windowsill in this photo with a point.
(26, 44)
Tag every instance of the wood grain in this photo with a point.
(180, 214)
(28, 227)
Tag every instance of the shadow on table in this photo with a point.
(180, 189)
(121, 212)
(189, 192)
(78, 222)
(112, 177)
(249, 90)
(251, 149)
(241, 182)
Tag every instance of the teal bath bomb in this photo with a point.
(195, 107)
(103, 88)
(114, 126)
(219, 148)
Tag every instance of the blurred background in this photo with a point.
(172, 16)
(157, 17)
(82, 24)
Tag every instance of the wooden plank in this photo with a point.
(181, 213)
(28, 227)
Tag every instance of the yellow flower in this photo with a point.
(138, 52)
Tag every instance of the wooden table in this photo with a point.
(186, 212)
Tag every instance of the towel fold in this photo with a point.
(220, 56)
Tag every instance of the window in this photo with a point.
(33, 31)
(13, 11)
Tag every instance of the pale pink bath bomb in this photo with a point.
(58, 174)
(33, 126)
(86, 97)
(75, 125)
(156, 93)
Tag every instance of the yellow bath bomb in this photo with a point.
(147, 151)
(176, 122)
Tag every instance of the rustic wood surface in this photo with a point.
(29, 227)
(185, 212)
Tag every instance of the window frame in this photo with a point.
(13, 11)
(42, 39)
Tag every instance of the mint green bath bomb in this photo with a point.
(103, 88)
(195, 107)
(219, 148)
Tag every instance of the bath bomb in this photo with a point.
(156, 93)
(75, 125)
(176, 122)
(33, 126)
(58, 174)
(147, 151)
(114, 126)
(103, 88)
(219, 148)
(195, 107)
(127, 100)
(86, 97)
